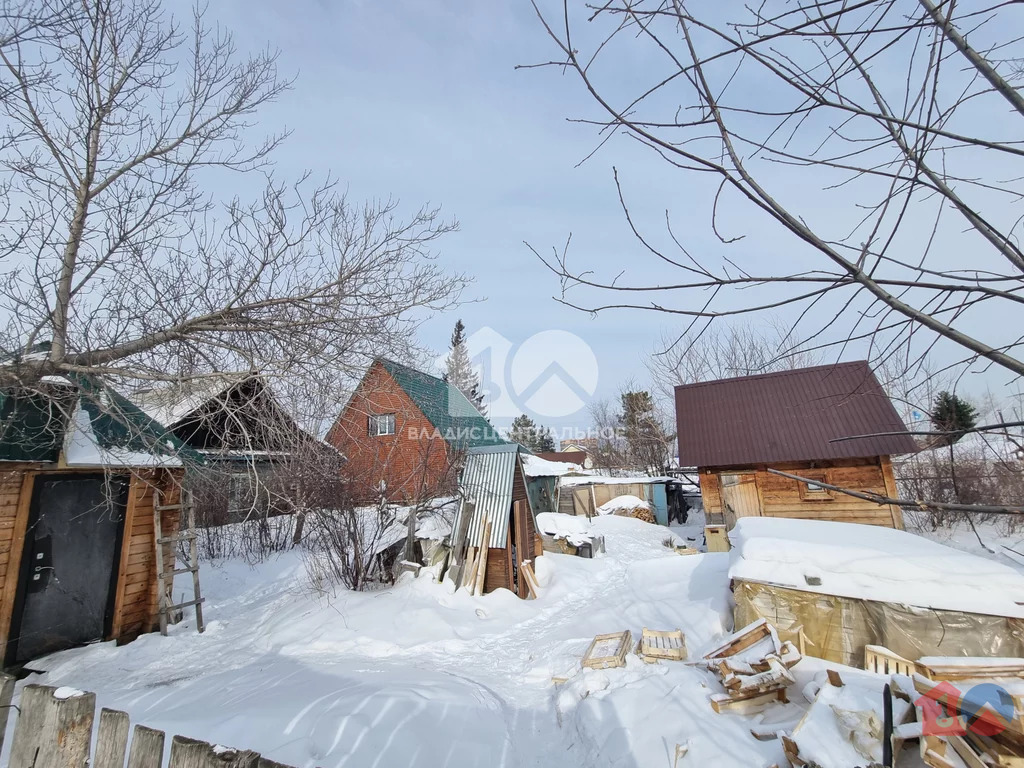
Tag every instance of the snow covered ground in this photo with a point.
(417, 675)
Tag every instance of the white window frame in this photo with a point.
(382, 424)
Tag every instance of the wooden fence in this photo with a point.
(54, 729)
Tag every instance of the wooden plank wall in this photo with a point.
(136, 600)
(15, 497)
(780, 496)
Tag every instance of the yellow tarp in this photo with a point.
(837, 628)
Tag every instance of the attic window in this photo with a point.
(382, 424)
(811, 491)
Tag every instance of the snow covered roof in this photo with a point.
(87, 420)
(606, 480)
(535, 466)
(867, 562)
(171, 403)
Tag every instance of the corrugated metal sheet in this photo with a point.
(788, 416)
(487, 481)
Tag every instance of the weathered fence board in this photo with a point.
(6, 696)
(147, 748)
(189, 753)
(111, 739)
(52, 731)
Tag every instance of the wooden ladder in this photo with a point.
(165, 578)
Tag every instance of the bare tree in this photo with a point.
(118, 122)
(882, 141)
(739, 349)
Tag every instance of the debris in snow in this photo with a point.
(753, 667)
(608, 650)
(661, 644)
(843, 727)
(574, 529)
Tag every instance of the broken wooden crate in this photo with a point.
(753, 666)
(661, 644)
(607, 651)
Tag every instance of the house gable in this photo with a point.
(413, 462)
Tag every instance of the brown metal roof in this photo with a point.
(573, 457)
(788, 416)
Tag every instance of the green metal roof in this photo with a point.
(34, 424)
(452, 414)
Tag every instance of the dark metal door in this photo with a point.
(69, 565)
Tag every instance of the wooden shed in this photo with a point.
(493, 491)
(82, 474)
(831, 423)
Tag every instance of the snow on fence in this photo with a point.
(54, 729)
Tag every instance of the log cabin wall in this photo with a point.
(135, 597)
(783, 497)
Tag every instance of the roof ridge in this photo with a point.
(774, 374)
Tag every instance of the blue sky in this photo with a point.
(422, 101)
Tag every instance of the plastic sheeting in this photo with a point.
(837, 628)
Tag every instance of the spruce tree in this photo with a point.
(459, 371)
(953, 414)
(523, 431)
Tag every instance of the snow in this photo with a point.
(82, 449)
(422, 675)
(843, 727)
(535, 466)
(619, 503)
(170, 403)
(872, 563)
(419, 675)
(64, 692)
(575, 529)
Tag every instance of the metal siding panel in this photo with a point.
(487, 480)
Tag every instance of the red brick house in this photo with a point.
(404, 431)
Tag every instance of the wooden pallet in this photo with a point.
(970, 668)
(607, 651)
(880, 659)
(662, 644)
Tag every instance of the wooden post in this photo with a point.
(52, 732)
(190, 753)
(111, 739)
(890, 490)
(147, 748)
(481, 572)
(6, 696)
(158, 534)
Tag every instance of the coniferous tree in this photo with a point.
(545, 441)
(951, 413)
(459, 370)
(526, 432)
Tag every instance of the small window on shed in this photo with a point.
(812, 491)
(382, 424)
